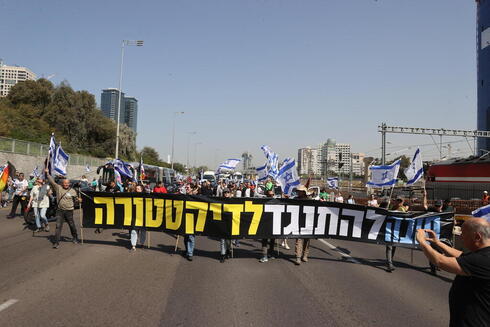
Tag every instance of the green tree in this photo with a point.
(36, 93)
(179, 167)
(150, 156)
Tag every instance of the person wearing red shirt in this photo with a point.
(159, 188)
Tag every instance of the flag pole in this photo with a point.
(177, 243)
(391, 194)
(81, 217)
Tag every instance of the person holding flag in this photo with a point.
(8, 171)
(65, 198)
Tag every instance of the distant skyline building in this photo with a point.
(131, 112)
(313, 161)
(109, 102)
(309, 161)
(11, 75)
(358, 164)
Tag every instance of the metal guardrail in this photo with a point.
(36, 149)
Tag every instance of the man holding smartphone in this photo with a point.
(469, 297)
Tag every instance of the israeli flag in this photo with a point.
(60, 161)
(262, 173)
(272, 161)
(35, 172)
(87, 169)
(229, 164)
(122, 168)
(51, 154)
(416, 170)
(483, 212)
(288, 176)
(384, 175)
(333, 182)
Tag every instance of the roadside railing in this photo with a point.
(41, 150)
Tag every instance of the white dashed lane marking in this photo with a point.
(7, 304)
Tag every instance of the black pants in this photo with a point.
(23, 204)
(390, 253)
(61, 217)
(268, 242)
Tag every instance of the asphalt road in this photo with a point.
(102, 283)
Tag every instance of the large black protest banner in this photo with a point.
(256, 217)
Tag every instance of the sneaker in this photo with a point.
(75, 241)
(37, 230)
(133, 248)
(189, 258)
(297, 262)
(56, 246)
(390, 268)
(46, 228)
(263, 259)
(222, 258)
(304, 259)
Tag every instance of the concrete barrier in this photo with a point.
(26, 164)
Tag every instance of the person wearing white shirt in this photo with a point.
(20, 195)
(339, 198)
(372, 202)
(39, 202)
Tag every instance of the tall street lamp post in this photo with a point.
(195, 154)
(189, 134)
(173, 138)
(138, 43)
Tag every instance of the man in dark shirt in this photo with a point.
(469, 297)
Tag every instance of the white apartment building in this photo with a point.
(358, 164)
(342, 155)
(313, 161)
(11, 75)
(309, 161)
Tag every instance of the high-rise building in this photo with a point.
(109, 102)
(131, 112)
(483, 71)
(309, 161)
(358, 164)
(11, 75)
(328, 157)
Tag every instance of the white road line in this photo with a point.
(7, 304)
(333, 247)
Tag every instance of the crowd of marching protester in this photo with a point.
(39, 197)
(469, 296)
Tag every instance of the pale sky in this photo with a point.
(284, 73)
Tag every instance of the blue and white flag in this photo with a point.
(60, 161)
(262, 173)
(272, 161)
(333, 182)
(35, 172)
(288, 176)
(229, 164)
(384, 175)
(416, 169)
(51, 155)
(123, 168)
(483, 212)
(87, 169)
